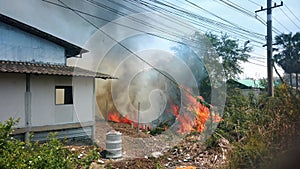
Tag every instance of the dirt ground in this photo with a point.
(135, 144)
(142, 150)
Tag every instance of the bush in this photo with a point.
(52, 154)
(258, 128)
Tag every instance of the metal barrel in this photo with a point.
(114, 145)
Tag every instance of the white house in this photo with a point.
(38, 87)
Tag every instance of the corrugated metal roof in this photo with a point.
(251, 83)
(46, 69)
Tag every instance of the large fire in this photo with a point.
(192, 116)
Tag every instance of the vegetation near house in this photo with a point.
(52, 154)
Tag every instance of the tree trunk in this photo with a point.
(291, 80)
(281, 79)
(296, 80)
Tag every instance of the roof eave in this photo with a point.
(71, 49)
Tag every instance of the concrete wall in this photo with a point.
(45, 112)
(43, 109)
(18, 45)
(246, 92)
(12, 97)
(84, 100)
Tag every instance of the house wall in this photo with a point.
(246, 92)
(18, 45)
(12, 97)
(43, 108)
(84, 99)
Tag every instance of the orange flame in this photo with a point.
(115, 117)
(194, 115)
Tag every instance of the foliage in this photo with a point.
(52, 154)
(289, 55)
(258, 128)
(231, 54)
(212, 49)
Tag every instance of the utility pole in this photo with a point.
(269, 44)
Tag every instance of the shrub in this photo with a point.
(52, 154)
(258, 128)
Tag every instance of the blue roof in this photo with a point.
(251, 83)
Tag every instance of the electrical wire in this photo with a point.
(281, 24)
(257, 64)
(147, 32)
(254, 3)
(168, 17)
(195, 5)
(192, 16)
(137, 20)
(289, 18)
(292, 12)
(252, 58)
(173, 6)
(126, 26)
(247, 12)
(201, 25)
(199, 7)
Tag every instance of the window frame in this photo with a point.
(65, 100)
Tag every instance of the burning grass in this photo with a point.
(192, 116)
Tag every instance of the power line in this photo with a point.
(246, 12)
(135, 19)
(289, 18)
(257, 64)
(258, 56)
(292, 12)
(195, 5)
(173, 20)
(255, 3)
(191, 16)
(198, 7)
(168, 17)
(126, 26)
(139, 6)
(281, 24)
(252, 58)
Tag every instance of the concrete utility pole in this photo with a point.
(269, 44)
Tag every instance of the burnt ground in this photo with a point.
(142, 150)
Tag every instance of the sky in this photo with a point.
(67, 25)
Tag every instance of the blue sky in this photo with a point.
(65, 24)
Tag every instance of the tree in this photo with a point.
(231, 54)
(228, 52)
(288, 56)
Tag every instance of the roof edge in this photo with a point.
(71, 49)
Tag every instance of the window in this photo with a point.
(63, 95)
